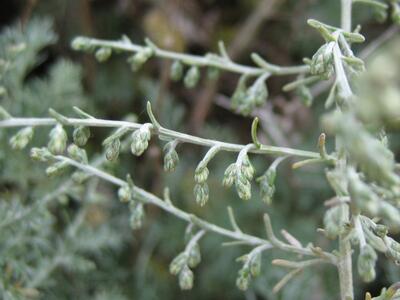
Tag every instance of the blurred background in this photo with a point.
(79, 245)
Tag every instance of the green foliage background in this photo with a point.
(60, 240)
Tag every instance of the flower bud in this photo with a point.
(201, 193)
(81, 135)
(140, 58)
(21, 138)
(57, 168)
(335, 221)
(137, 216)
(79, 177)
(243, 187)
(240, 94)
(171, 160)
(125, 193)
(112, 149)
(255, 265)
(140, 140)
(192, 77)
(201, 174)
(229, 175)
(103, 54)
(58, 140)
(257, 93)
(243, 280)
(267, 185)
(194, 256)
(81, 44)
(366, 263)
(40, 154)
(77, 153)
(178, 263)
(247, 168)
(322, 61)
(186, 278)
(176, 72)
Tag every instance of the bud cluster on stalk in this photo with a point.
(171, 158)
(58, 140)
(81, 135)
(240, 173)
(251, 268)
(182, 264)
(245, 99)
(140, 139)
(22, 138)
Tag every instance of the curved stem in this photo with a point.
(209, 60)
(162, 132)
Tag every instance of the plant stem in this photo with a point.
(162, 132)
(345, 260)
(210, 60)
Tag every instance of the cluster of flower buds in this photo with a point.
(21, 139)
(137, 60)
(103, 54)
(58, 140)
(171, 158)
(366, 263)
(190, 79)
(81, 135)
(322, 61)
(251, 269)
(140, 139)
(245, 99)
(77, 153)
(240, 173)
(181, 265)
(335, 221)
(201, 191)
(112, 149)
(267, 185)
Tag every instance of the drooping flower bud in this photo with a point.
(322, 61)
(140, 140)
(201, 174)
(140, 58)
(103, 54)
(137, 215)
(21, 138)
(171, 159)
(77, 153)
(176, 72)
(192, 77)
(194, 256)
(255, 265)
(125, 193)
(267, 185)
(178, 263)
(229, 175)
(81, 135)
(58, 140)
(186, 278)
(201, 193)
(243, 279)
(112, 149)
(366, 263)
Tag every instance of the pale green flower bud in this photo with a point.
(81, 44)
(57, 168)
(125, 193)
(140, 140)
(240, 94)
(40, 154)
(112, 149)
(176, 72)
(140, 58)
(366, 263)
(243, 187)
(201, 193)
(77, 153)
(322, 61)
(81, 135)
(192, 77)
(243, 280)
(255, 265)
(137, 216)
(178, 263)
(21, 138)
(257, 93)
(186, 278)
(247, 168)
(229, 175)
(171, 159)
(335, 221)
(213, 73)
(267, 185)
(58, 140)
(194, 256)
(103, 54)
(201, 174)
